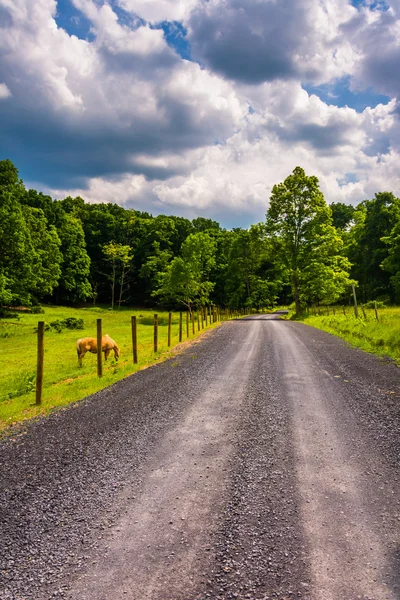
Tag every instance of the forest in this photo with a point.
(306, 252)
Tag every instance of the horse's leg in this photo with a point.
(81, 354)
(106, 353)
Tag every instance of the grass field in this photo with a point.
(64, 381)
(378, 337)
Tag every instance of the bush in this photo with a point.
(36, 310)
(61, 324)
(73, 323)
(5, 313)
(150, 320)
(371, 304)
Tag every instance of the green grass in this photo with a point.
(64, 381)
(378, 337)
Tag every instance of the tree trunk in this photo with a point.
(295, 286)
(121, 288)
(114, 276)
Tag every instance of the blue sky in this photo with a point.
(75, 23)
(199, 108)
(73, 20)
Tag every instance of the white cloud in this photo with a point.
(4, 91)
(159, 10)
(123, 118)
(257, 41)
(94, 105)
(232, 182)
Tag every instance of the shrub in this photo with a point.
(73, 323)
(150, 320)
(61, 324)
(371, 304)
(5, 313)
(36, 310)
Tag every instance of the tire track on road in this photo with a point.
(348, 493)
(165, 536)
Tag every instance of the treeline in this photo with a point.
(71, 252)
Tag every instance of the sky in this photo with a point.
(198, 107)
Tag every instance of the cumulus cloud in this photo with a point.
(156, 11)
(4, 91)
(376, 37)
(232, 182)
(240, 174)
(121, 117)
(253, 42)
(90, 107)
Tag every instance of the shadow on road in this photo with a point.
(268, 317)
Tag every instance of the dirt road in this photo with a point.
(261, 463)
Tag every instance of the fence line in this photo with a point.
(205, 316)
(324, 311)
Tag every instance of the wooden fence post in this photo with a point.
(202, 317)
(193, 327)
(376, 311)
(187, 323)
(205, 315)
(134, 339)
(99, 354)
(180, 326)
(155, 333)
(40, 363)
(355, 301)
(169, 329)
(363, 312)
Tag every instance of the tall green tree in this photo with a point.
(74, 285)
(367, 245)
(186, 279)
(16, 265)
(342, 215)
(391, 264)
(45, 252)
(120, 257)
(155, 264)
(250, 279)
(29, 252)
(305, 241)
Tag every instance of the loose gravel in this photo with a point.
(63, 479)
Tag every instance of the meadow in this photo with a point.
(380, 337)
(64, 381)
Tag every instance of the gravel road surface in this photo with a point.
(261, 463)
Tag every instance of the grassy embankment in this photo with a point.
(64, 381)
(378, 337)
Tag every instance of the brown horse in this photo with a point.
(90, 345)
